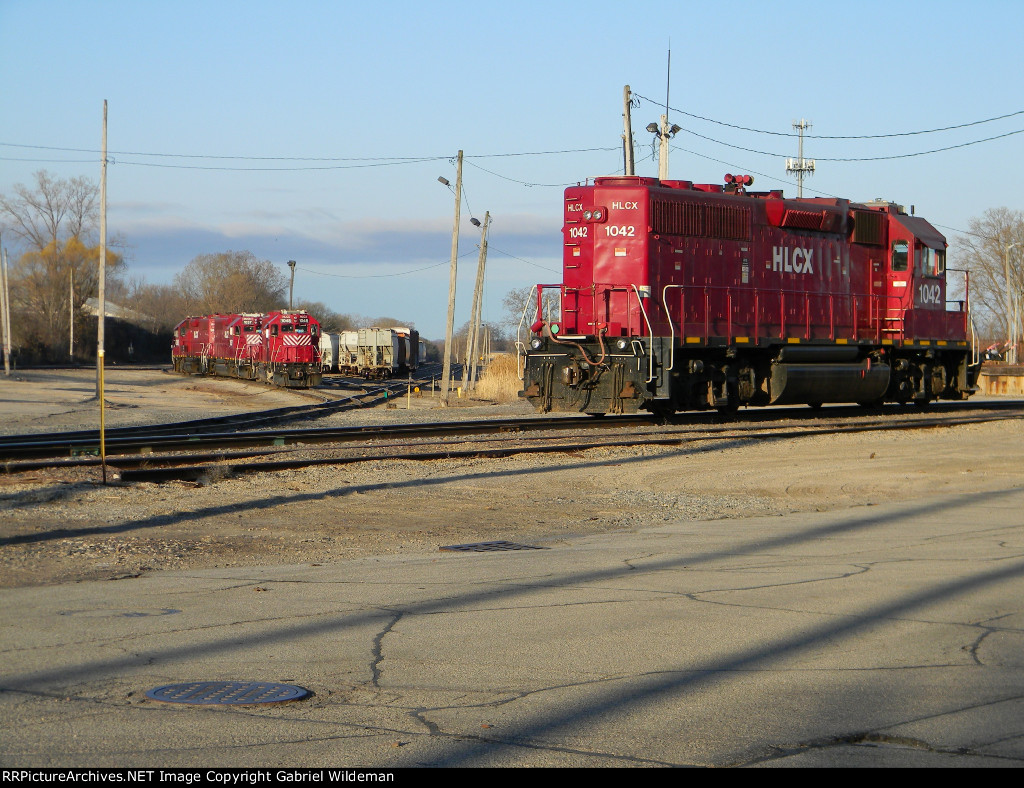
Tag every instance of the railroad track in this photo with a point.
(422, 442)
(87, 441)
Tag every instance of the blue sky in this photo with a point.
(316, 131)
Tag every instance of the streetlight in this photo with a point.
(291, 284)
(664, 134)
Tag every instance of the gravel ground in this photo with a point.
(66, 525)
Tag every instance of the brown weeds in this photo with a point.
(500, 380)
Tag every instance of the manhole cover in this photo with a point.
(227, 693)
(486, 547)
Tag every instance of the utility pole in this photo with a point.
(446, 369)
(800, 165)
(71, 313)
(291, 284)
(103, 266)
(5, 311)
(1011, 323)
(628, 167)
(474, 319)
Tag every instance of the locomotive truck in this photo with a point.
(682, 296)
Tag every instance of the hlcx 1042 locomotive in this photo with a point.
(679, 296)
(279, 348)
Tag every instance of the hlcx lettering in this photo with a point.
(795, 261)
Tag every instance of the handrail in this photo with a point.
(671, 326)
(650, 334)
(838, 310)
(519, 329)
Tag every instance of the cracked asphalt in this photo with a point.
(871, 615)
(887, 635)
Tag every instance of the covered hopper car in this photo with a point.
(680, 296)
(387, 352)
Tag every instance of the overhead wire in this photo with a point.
(832, 137)
(382, 276)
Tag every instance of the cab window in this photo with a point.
(900, 255)
(930, 262)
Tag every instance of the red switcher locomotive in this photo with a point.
(681, 296)
(280, 348)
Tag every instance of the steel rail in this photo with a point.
(23, 444)
(149, 444)
(223, 470)
(135, 441)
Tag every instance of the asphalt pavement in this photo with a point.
(888, 635)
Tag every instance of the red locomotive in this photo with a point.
(280, 348)
(679, 296)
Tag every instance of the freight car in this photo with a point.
(280, 348)
(681, 296)
(387, 352)
(329, 347)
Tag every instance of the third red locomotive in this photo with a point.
(680, 296)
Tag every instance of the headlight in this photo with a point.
(622, 344)
(537, 343)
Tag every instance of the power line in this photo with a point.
(863, 158)
(833, 137)
(382, 276)
(491, 247)
(515, 180)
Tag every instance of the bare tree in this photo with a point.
(231, 282)
(55, 219)
(158, 307)
(522, 301)
(994, 247)
(54, 210)
(329, 320)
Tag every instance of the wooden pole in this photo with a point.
(71, 313)
(474, 320)
(446, 368)
(5, 324)
(627, 136)
(101, 317)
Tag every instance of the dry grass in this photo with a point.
(500, 381)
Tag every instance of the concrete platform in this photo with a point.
(888, 635)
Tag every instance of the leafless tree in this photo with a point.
(54, 210)
(522, 301)
(231, 282)
(55, 220)
(994, 243)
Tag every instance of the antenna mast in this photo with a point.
(800, 165)
(664, 132)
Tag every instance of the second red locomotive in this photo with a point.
(280, 348)
(680, 296)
